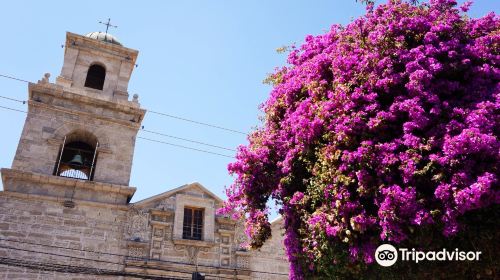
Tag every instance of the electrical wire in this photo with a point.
(72, 269)
(197, 122)
(93, 270)
(13, 99)
(135, 258)
(12, 109)
(142, 128)
(184, 147)
(58, 255)
(187, 140)
(143, 138)
(62, 248)
(85, 259)
(149, 131)
(13, 78)
(162, 142)
(159, 113)
(119, 225)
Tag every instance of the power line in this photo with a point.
(86, 259)
(13, 78)
(187, 140)
(13, 99)
(184, 147)
(12, 109)
(72, 269)
(143, 138)
(161, 114)
(58, 255)
(62, 248)
(100, 271)
(145, 130)
(197, 122)
(136, 258)
(142, 129)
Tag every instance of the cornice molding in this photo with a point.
(8, 173)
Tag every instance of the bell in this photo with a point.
(77, 160)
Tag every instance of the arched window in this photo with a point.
(78, 156)
(95, 77)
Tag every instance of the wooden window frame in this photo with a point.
(189, 231)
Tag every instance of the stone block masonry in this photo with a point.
(54, 226)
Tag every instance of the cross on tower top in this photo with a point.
(108, 24)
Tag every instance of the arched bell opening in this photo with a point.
(78, 156)
(95, 77)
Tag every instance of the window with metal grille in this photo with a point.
(193, 223)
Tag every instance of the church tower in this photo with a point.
(65, 211)
(79, 135)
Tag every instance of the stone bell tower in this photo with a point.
(65, 210)
(79, 135)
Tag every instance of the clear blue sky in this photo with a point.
(203, 60)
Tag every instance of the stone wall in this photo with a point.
(271, 257)
(130, 238)
(36, 230)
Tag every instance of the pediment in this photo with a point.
(194, 189)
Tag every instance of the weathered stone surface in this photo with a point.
(96, 231)
(271, 257)
(51, 225)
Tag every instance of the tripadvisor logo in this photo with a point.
(387, 255)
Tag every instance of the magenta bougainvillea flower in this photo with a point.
(374, 129)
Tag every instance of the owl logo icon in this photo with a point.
(386, 255)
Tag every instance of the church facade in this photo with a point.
(65, 210)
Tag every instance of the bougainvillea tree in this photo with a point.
(375, 132)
